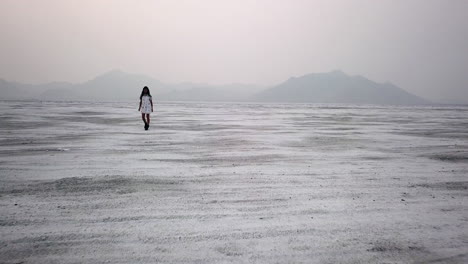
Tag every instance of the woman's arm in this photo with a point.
(151, 101)
(139, 107)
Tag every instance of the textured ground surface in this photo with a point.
(233, 183)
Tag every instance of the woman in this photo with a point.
(146, 106)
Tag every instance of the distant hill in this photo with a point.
(21, 91)
(116, 85)
(111, 86)
(337, 87)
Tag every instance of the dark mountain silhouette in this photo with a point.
(337, 87)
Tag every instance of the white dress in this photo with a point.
(146, 104)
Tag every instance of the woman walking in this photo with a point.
(146, 106)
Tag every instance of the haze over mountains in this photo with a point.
(337, 87)
(331, 87)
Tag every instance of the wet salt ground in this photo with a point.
(211, 183)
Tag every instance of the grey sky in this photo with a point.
(420, 45)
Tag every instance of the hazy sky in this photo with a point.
(419, 45)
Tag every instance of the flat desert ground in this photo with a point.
(233, 183)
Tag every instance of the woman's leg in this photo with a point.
(143, 117)
(148, 118)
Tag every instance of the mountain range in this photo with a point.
(337, 87)
(116, 85)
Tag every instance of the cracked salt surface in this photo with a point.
(232, 182)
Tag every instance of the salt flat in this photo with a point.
(233, 183)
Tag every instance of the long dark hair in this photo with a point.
(143, 92)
